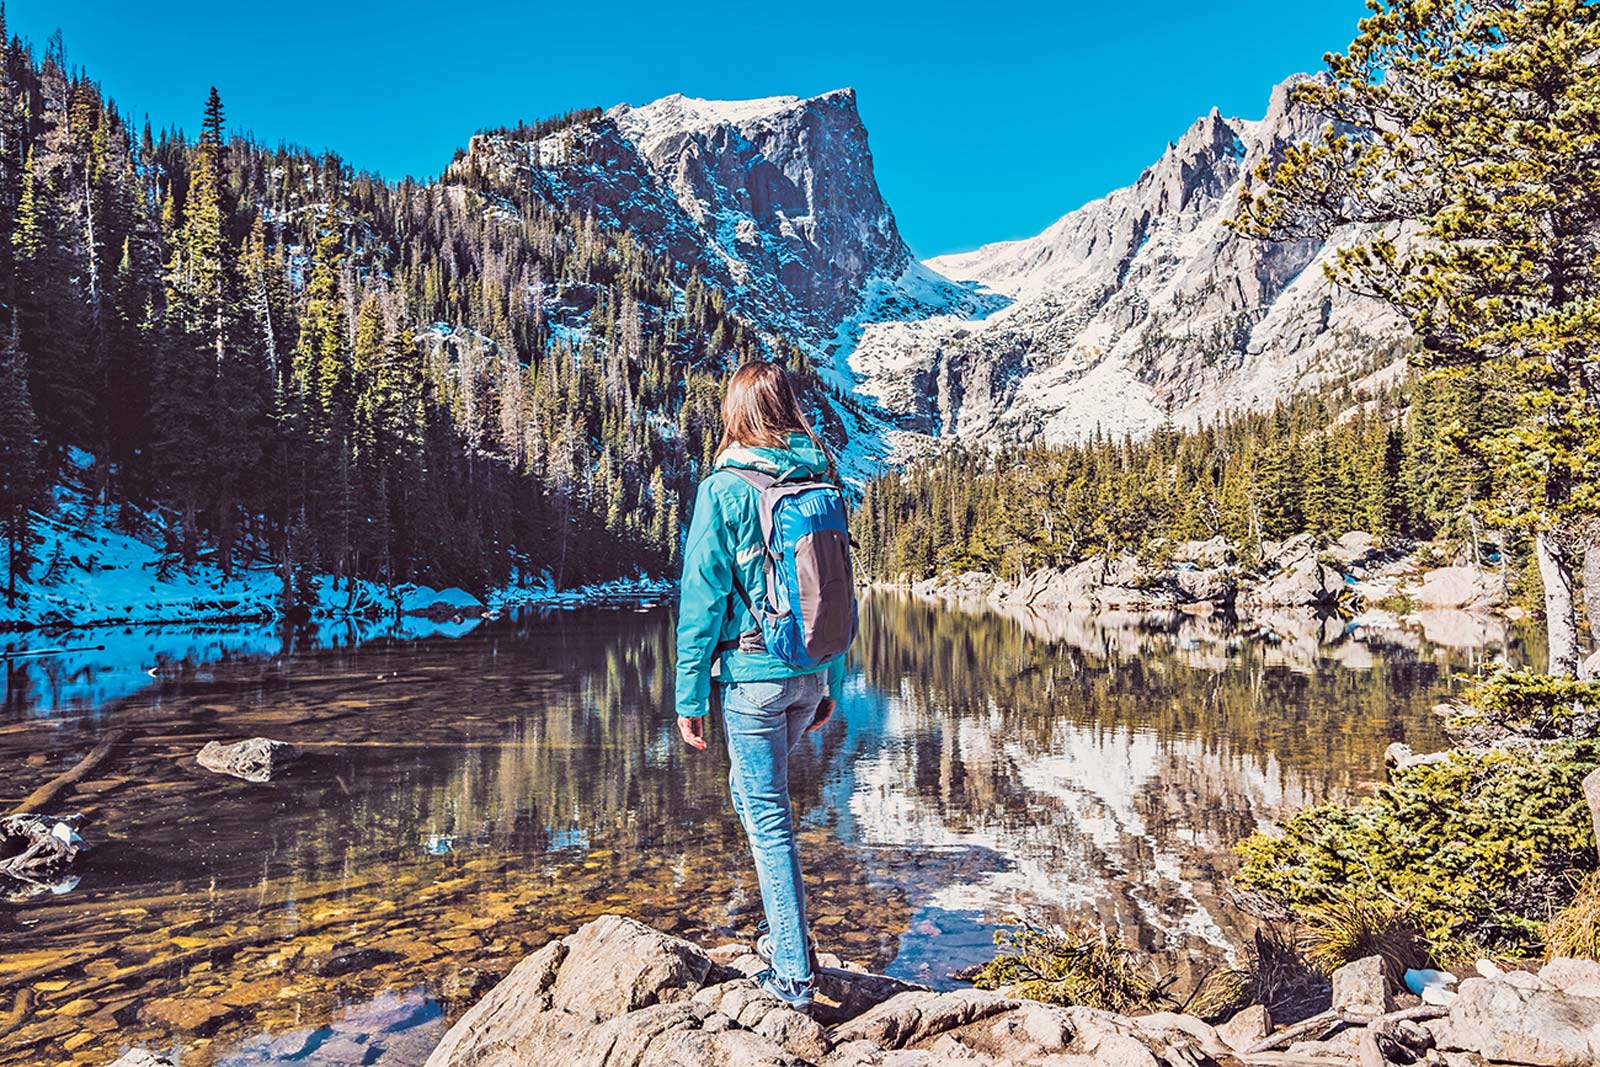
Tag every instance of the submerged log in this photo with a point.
(41, 798)
(18, 1014)
(36, 852)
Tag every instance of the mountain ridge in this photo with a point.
(1136, 308)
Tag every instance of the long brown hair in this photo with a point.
(760, 410)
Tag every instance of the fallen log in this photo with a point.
(37, 801)
(1334, 1017)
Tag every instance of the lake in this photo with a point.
(468, 795)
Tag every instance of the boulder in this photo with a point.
(1361, 988)
(1578, 977)
(513, 1014)
(1246, 1027)
(258, 759)
(1294, 575)
(1211, 554)
(616, 965)
(1458, 587)
(1398, 756)
(1355, 545)
(1205, 584)
(1515, 1023)
(1115, 582)
(139, 1057)
(909, 1018)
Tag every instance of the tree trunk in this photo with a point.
(1555, 570)
(1591, 594)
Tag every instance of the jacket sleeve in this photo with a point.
(702, 601)
(836, 679)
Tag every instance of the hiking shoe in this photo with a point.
(796, 995)
(764, 948)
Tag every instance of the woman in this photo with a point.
(767, 705)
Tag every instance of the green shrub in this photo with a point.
(1082, 965)
(1531, 704)
(1478, 849)
(1396, 604)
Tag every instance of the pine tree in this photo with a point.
(1477, 120)
(21, 477)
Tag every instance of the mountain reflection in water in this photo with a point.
(466, 799)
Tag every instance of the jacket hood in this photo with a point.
(801, 458)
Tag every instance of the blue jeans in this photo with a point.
(763, 721)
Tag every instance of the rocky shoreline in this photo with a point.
(1356, 573)
(617, 993)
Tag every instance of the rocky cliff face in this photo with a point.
(1133, 309)
(773, 199)
(782, 189)
(1143, 305)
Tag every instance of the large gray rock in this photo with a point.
(139, 1057)
(1361, 988)
(1518, 1023)
(1470, 588)
(1245, 1027)
(1297, 573)
(1579, 977)
(616, 965)
(257, 759)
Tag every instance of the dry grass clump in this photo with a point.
(1351, 927)
(1575, 930)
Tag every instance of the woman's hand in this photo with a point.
(824, 713)
(693, 730)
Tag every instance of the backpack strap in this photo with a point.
(760, 482)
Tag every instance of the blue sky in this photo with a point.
(987, 121)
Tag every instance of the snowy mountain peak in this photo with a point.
(1142, 306)
(678, 114)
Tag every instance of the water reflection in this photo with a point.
(465, 799)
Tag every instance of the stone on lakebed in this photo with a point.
(258, 759)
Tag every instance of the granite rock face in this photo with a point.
(1136, 307)
(1143, 304)
(620, 994)
(775, 201)
(1522, 1018)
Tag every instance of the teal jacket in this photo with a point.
(724, 534)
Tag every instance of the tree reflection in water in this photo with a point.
(467, 799)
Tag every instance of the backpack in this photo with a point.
(808, 617)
